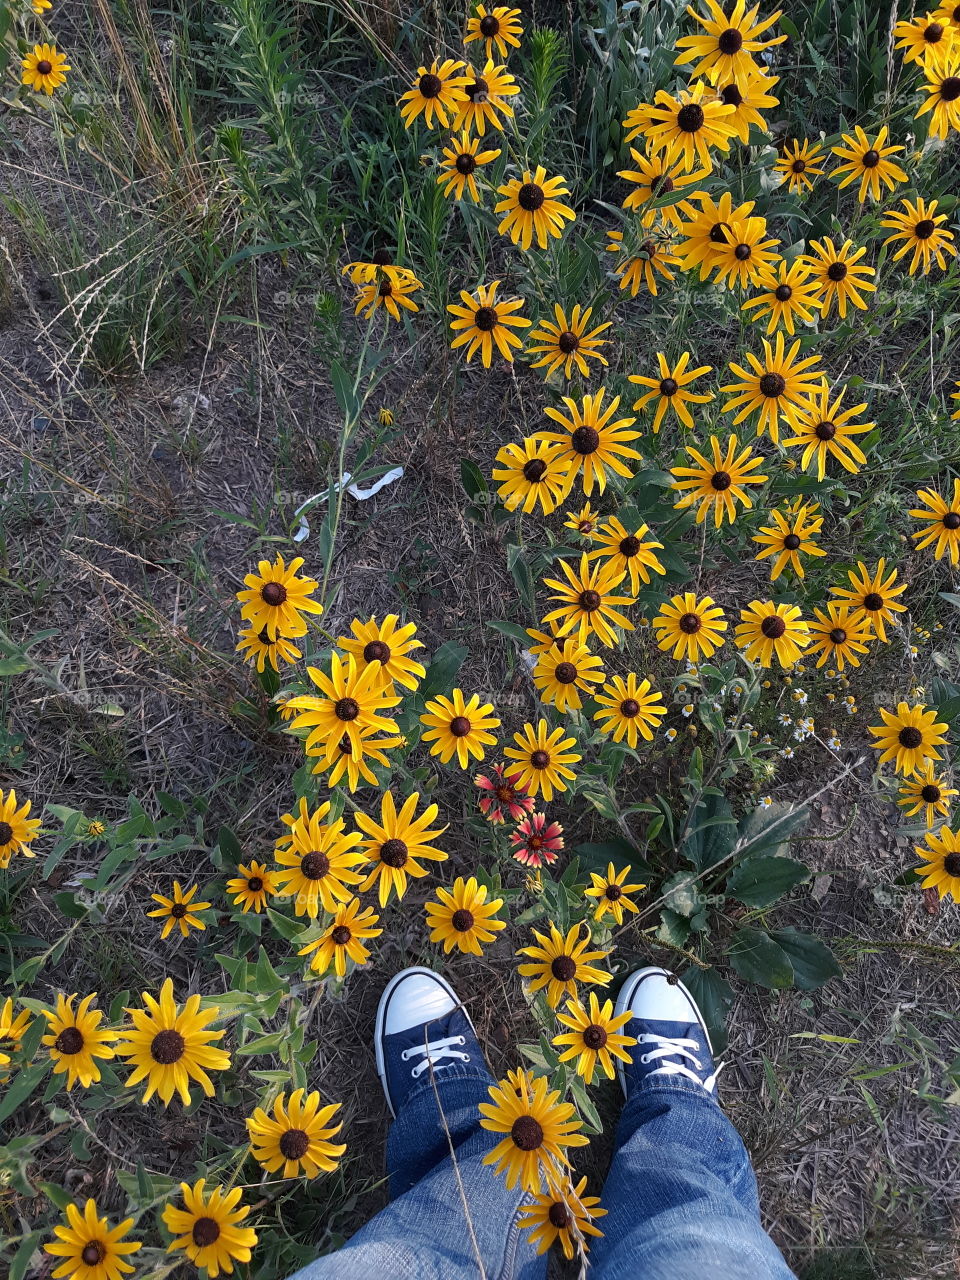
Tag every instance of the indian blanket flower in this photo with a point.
(462, 917)
(745, 255)
(296, 1140)
(706, 232)
(483, 99)
(565, 1215)
(640, 265)
(503, 795)
(484, 320)
(351, 701)
(44, 69)
(275, 598)
(12, 1029)
(457, 171)
(533, 208)
(168, 1046)
(595, 1037)
(343, 939)
(559, 961)
(717, 485)
(685, 128)
(671, 389)
(920, 229)
(941, 84)
(611, 893)
(459, 727)
(942, 517)
(436, 92)
(824, 429)
(498, 28)
(252, 886)
(726, 46)
(388, 645)
(868, 162)
(928, 791)
(397, 844)
(89, 1248)
(769, 631)
(919, 36)
(562, 674)
(629, 707)
(17, 829)
(940, 863)
(588, 601)
(800, 163)
(653, 177)
(75, 1040)
(875, 594)
(537, 1129)
(259, 648)
(536, 841)
(909, 737)
(839, 634)
(750, 95)
(840, 275)
(319, 869)
(593, 439)
(207, 1229)
(531, 472)
(774, 388)
(789, 536)
(788, 296)
(630, 554)
(179, 912)
(567, 343)
(692, 628)
(543, 757)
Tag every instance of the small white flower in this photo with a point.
(787, 753)
(784, 718)
(670, 734)
(850, 708)
(688, 709)
(766, 802)
(834, 743)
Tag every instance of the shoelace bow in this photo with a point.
(677, 1047)
(432, 1051)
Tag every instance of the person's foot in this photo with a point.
(673, 1043)
(421, 1022)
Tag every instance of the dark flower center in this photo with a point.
(629, 546)
(393, 853)
(460, 726)
(386, 289)
(530, 197)
(870, 159)
(798, 166)
(629, 707)
(565, 672)
(178, 910)
(589, 601)
(594, 1037)
(690, 118)
(662, 186)
(951, 864)
(924, 228)
(465, 162)
(264, 637)
(430, 85)
(568, 342)
(910, 737)
(873, 600)
(613, 892)
(689, 623)
(478, 91)
(485, 318)
(340, 936)
(563, 968)
(933, 33)
(730, 41)
(255, 884)
(347, 709)
(69, 1040)
(462, 920)
(534, 470)
(44, 67)
(376, 651)
(742, 252)
(791, 542)
(837, 270)
(930, 793)
(314, 866)
(559, 1215)
(721, 480)
(6, 833)
(772, 385)
(950, 89)
(505, 793)
(732, 96)
(825, 430)
(167, 1047)
(273, 593)
(838, 635)
(718, 233)
(783, 293)
(649, 247)
(382, 258)
(773, 627)
(535, 843)
(539, 759)
(526, 1133)
(668, 386)
(489, 25)
(92, 1253)
(950, 521)
(585, 440)
(206, 1231)
(293, 1144)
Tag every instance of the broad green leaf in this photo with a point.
(24, 1083)
(765, 830)
(443, 669)
(25, 1254)
(759, 882)
(813, 961)
(472, 479)
(511, 629)
(759, 959)
(712, 833)
(682, 894)
(714, 996)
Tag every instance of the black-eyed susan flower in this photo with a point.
(343, 939)
(942, 518)
(775, 388)
(788, 294)
(875, 593)
(536, 841)
(746, 254)
(824, 429)
(567, 343)
(40, 7)
(928, 791)
(207, 1229)
(75, 1040)
(386, 645)
(13, 1027)
(350, 701)
(397, 844)
(941, 84)
(717, 484)
(595, 1037)
(629, 708)
(319, 868)
(300, 821)
(437, 92)
(867, 162)
(955, 395)
(769, 631)
(565, 1215)
(503, 795)
(180, 911)
(800, 163)
(706, 232)
(483, 320)
(380, 267)
(561, 674)
(352, 759)
(537, 1127)
(498, 28)
(749, 95)
(919, 231)
(17, 829)
(611, 892)
(839, 634)
(543, 757)
(385, 416)
(463, 918)
(260, 648)
(275, 598)
(485, 98)
(531, 472)
(641, 264)
(560, 961)
(630, 554)
(44, 69)
(533, 207)
(940, 863)
(168, 1046)
(296, 1140)
(671, 389)
(586, 522)
(909, 737)
(392, 296)
(588, 601)
(690, 627)
(457, 171)
(653, 177)
(593, 439)
(919, 36)
(789, 536)
(89, 1247)
(459, 727)
(252, 886)
(685, 128)
(637, 122)
(724, 49)
(840, 275)
(948, 11)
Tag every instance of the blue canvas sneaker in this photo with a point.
(672, 1037)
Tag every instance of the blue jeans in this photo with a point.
(681, 1198)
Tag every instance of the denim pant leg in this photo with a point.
(681, 1196)
(424, 1233)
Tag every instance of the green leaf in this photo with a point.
(813, 961)
(682, 894)
(712, 835)
(443, 669)
(511, 629)
(596, 857)
(766, 830)
(759, 882)
(69, 905)
(25, 1083)
(472, 479)
(287, 928)
(14, 666)
(230, 846)
(714, 997)
(756, 957)
(344, 391)
(24, 1255)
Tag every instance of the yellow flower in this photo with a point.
(435, 92)
(611, 893)
(561, 673)
(568, 343)
(800, 163)
(927, 791)
(76, 1040)
(389, 294)
(559, 962)
(921, 230)
(585, 520)
(595, 1038)
(396, 842)
(387, 647)
(483, 99)
(726, 46)
(259, 648)
(789, 536)
(208, 1228)
(458, 169)
(654, 177)
(641, 268)
(776, 388)
(342, 939)
(588, 602)
(565, 1215)
(168, 1046)
(941, 72)
(909, 737)
(873, 594)
(689, 626)
(744, 256)
(685, 128)
(498, 27)
(12, 1029)
(840, 275)
(670, 389)
(537, 1127)
(943, 527)
(749, 94)
(39, 7)
(591, 441)
(296, 1138)
(823, 431)
(17, 829)
(543, 759)
(321, 865)
(90, 1248)
(459, 727)
(869, 162)
(352, 703)
(463, 918)
(918, 37)
(44, 70)
(627, 553)
(718, 484)
(767, 631)
(839, 635)
(179, 911)
(533, 471)
(788, 294)
(533, 207)
(629, 707)
(252, 887)
(941, 863)
(707, 233)
(275, 598)
(483, 320)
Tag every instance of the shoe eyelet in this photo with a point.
(644, 1059)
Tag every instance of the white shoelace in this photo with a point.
(674, 1048)
(432, 1051)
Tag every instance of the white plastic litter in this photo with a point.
(355, 491)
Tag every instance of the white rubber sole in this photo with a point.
(625, 1002)
(381, 1015)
